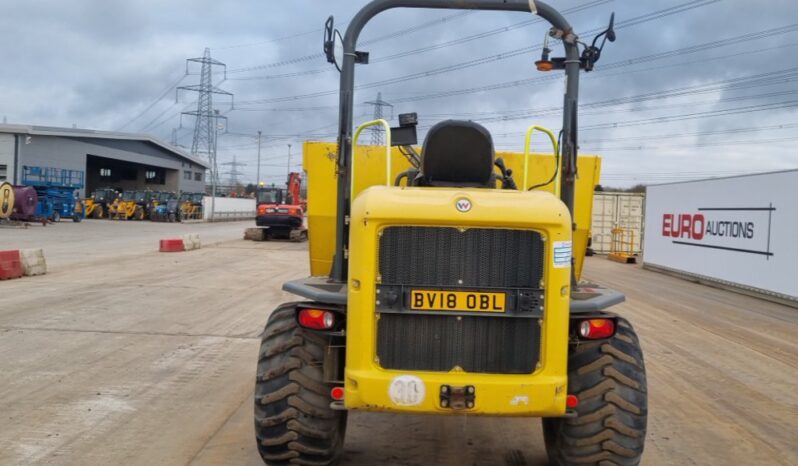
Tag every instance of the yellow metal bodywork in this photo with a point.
(541, 393)
(113, 208)
(126, 210)
(370, 169)
(89, 207)
(190, 211)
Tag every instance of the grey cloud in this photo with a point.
(99, 64)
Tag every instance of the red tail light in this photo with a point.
(571, 401)
(596, 329)
(316, 319)
(337, 393)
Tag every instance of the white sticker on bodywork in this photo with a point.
(520, 400)
(562, 254)
(407, 390)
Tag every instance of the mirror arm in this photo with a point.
(361, 58)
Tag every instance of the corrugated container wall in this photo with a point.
(611, 210)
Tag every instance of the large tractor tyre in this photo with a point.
(97, 212)
(294, 423)
(609, 379)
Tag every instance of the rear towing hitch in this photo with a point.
(458, 398)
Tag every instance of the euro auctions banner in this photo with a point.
(742, 230)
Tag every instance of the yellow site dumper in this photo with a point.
(446, 279)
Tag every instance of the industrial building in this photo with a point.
(123, 161)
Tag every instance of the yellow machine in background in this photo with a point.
(129, 206)
(101, 204)
(190, 205)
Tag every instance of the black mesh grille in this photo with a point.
(476, 257)
(440, 342)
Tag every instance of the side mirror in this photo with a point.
(592, 54)
(338, 50)
(607, 35)
(333, 44)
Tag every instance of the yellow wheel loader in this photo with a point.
(446, 281)
(97, 205)
(125, 208)
(190, 205)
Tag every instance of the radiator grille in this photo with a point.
(440, 343)
(471, 259)
(476, 257)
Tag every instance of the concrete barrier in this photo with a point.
(10, 265)
(191, 241)
(172, 245)
(33, 262)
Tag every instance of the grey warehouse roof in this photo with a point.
(91, 133)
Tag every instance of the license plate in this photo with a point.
(437, 300)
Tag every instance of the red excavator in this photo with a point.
(281, 211)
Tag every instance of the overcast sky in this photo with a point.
(723, 102)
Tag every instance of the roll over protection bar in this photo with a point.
(345, 124)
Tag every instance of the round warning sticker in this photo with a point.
(406, 390)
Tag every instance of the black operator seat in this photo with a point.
(457, 153)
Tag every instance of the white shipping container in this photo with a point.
(611, 210)
(738, 231)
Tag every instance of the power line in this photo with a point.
(678, 117)
(157, 117)
(154, 102)
(693, 134)
(775, 77)
(694, 115)
(700, 144)
(600, 72)
(153, 125)
(734, 84)
(271, 41)
(491, 58)
(317, 56)
(769, 78)
(415, 52)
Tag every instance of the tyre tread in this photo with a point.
(294, 423)
(608, 377)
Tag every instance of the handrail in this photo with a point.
(572, 65)
(527, 143)
(359, 130)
